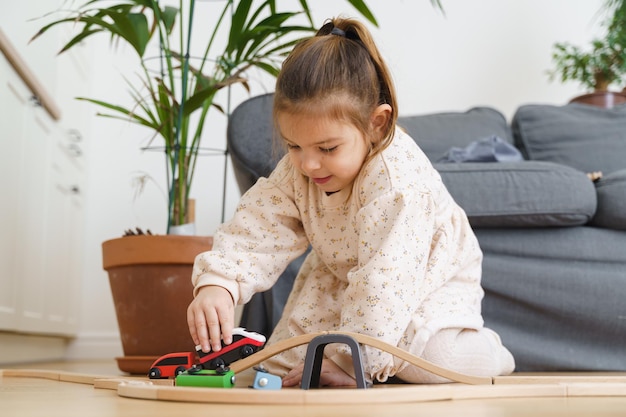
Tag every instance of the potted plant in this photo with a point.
(150, 275)
(601, 67)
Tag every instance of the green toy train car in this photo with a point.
(196, 377)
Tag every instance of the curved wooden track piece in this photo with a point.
(515, 386)
(381, 394)
(287, 344)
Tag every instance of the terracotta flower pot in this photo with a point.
(604, 99)
(150, 278)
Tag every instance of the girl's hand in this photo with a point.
(211, 317)
(330, 376)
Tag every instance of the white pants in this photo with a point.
(471, 352)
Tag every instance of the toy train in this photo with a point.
(244, 344)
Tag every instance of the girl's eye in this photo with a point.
(292, 146)
(328, 150)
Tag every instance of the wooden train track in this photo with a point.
(293, 342)
(550, 385)
(465, 386)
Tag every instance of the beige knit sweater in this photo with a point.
(394, 257)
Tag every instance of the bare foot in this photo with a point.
(330, 376)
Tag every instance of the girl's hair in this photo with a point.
(339, 73)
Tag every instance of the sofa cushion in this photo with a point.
(520, 194)
(611, 191)
(437, 133)
(585, 137)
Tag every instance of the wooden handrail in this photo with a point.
(24, 72)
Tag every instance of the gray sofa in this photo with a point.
(554, 242)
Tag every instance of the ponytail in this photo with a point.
(341, 72)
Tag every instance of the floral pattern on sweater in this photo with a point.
(393, 257)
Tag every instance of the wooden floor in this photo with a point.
(26, 397)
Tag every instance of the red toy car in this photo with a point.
(244, 344)
(171, 365)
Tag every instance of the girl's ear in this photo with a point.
(379, 120)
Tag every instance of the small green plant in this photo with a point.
(605, 63)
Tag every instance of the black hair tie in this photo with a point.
(338, 32)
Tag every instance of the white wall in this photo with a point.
(481, 52)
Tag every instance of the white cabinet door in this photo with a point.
(63, 235)
(41, 213)
(33, 204)
(12, 112)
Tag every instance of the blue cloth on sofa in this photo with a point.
(490, 149)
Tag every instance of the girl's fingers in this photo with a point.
(214, 330)
(294, 377)
(210, 318)
(192, 327)
(198, 327)
(226, 327)
(330, 375)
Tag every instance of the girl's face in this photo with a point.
(330, 152)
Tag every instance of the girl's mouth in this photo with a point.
(321, 181)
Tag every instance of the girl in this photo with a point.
(393, 256)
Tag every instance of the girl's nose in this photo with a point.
(310, 163)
